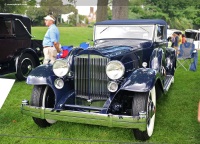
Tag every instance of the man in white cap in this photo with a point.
(51, 40)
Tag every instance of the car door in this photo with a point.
(7, 40)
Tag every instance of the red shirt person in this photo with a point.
(183, 38)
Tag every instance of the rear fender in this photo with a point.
(156, 59)
(170, 61)
(30, 51)
(141, 80)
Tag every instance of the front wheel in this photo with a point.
(43, 96)
(145, 102)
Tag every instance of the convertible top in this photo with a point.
(132, 22)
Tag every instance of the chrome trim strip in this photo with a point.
(84, 107)
(109, 120)
(167, 86)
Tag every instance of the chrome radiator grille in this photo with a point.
(90, 77)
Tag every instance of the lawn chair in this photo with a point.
(185, 56)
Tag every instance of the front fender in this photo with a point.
(141, 80)
(41, 75)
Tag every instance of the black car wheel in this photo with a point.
(25, 65)
(43, 96)
(145, 102)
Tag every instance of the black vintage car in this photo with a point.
(115, 83)
(19, 53)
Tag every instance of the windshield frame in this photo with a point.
(106, 27)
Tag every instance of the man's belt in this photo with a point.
(47, 46)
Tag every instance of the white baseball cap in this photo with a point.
(48, 17)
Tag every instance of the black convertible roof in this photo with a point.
(132, 22)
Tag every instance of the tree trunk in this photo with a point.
(120, 9)
(102, 10)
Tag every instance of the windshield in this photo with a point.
(193, 35)
(124, 31)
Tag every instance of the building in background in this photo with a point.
(88, 11)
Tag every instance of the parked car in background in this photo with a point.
(115, 83)
(19, 53)
(193, 36)
(171, 31)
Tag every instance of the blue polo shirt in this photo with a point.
(52, 35)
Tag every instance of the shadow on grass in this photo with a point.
(8, 76)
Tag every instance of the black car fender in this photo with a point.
(141, 80)
(30, 51)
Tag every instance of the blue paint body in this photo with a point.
(160, 61)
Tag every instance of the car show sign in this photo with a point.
(5, 87)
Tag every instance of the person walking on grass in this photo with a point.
(51, 45)
(176, 40)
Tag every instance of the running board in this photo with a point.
(168, 81)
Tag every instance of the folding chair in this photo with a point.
(185, 56)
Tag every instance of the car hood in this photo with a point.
(115, 48)
(109, 51)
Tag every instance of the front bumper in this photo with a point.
(109, 120)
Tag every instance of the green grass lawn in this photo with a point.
(176, 117)
(68, 35)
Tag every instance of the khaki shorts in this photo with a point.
(50, 54)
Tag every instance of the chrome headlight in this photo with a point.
(60, 68)
(59, 83)
(115, 70)
(112, 86)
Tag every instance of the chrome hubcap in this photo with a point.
(29, 67)
(151, 108)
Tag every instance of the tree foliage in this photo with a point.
(52, 7)
(56, 8)
(15, 6)
(179, 14)
(36, 15)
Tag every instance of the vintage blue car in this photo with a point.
(115, 83)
